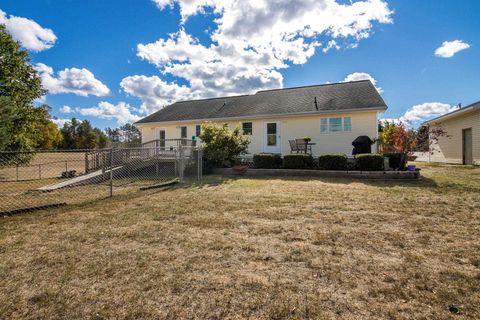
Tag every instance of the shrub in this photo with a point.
(333, 162)
(396, 161)
(267, 161)
(298, 161)
(222, 146)
(369, 162)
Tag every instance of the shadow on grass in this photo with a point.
(423, 182)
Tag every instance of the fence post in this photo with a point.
(181, 163)
(111, 173)
(40, 172)
(66, 165)
(17, 172)
(199, 164)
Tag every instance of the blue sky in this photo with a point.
(116, 61)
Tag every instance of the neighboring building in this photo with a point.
(333, 115)
(463, 144)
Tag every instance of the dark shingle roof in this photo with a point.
(355, 95)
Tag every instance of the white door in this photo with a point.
(272, 141)
(161, 135)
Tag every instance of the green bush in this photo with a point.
(369, 162)
(298, 161)
(221, 146)
(267, 161)
(333, 162)
(396, 161)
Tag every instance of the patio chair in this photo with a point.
(293, 146)
(302, 146)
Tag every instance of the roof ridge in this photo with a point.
(314, 85)
(214, 98)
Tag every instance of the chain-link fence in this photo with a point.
(40, 179)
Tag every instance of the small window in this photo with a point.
(183, 132)
(198, 130)
(247, 128)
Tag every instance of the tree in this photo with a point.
(18, 79)
(221, 145)
(113, 134)
(130, 133)
(127, 133)
(427, 136)
(81, 135)
(19, 86)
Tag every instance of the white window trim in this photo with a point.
(335, 132)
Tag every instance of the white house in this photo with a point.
(332, 115)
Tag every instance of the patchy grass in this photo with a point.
(253, 248)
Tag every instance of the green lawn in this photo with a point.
(266, 248)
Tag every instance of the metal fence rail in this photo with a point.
(38, 179)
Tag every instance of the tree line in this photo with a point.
(24, 126)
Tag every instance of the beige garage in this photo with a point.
(462, 145)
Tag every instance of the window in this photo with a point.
(247, 128)
(339, 124)
(198, 130)
(183, 132)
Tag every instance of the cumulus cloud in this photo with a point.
(121, 112)
(81, 82)
(154, 92)
(29, 33)
(252, 41)
(450, 48)
(422, 112)
(59, 122)
(357, 76)
(66, 109)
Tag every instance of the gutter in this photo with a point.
(268, 116)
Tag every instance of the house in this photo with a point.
(332, 115)
(462, 143)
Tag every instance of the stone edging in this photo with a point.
(374, 175)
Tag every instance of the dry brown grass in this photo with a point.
(253, 248)
(44, 165)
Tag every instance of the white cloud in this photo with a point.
(81, 82)
(357, 76)
(450, 48)
(29, 33)
(154, 92)
(423, 112)
(252, 41)
(66, 109)
(59, 122)
(122, 112)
